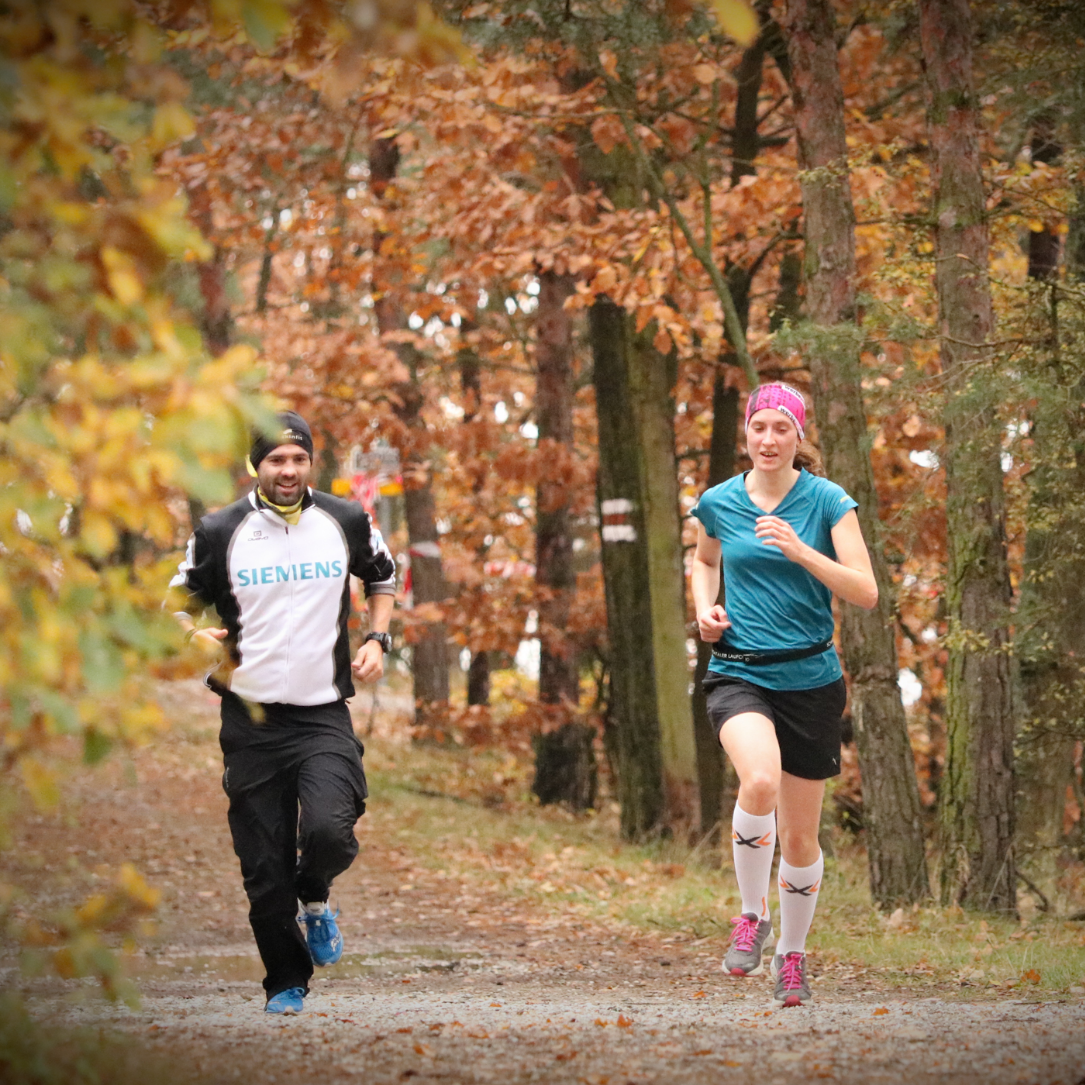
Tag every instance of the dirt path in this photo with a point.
(439, 984)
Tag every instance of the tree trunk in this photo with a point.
(632, 705)
(555, 575)
(430, 651)
(642, 570)
(652, 378)
(478, 679)
(891, 806)
(564, 758)
(977, 793)
(478, 672)
(1051, 612)
(216, 319)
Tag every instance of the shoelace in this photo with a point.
(744, 933)
(791, 972)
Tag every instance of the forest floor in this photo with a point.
(490, 942)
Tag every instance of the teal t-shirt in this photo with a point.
(773, 603)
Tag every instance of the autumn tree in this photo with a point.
(831, 344)
(977, 797)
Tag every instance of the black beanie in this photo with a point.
(295, 431)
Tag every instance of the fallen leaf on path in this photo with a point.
(624, 1022)
(880, 1010)
(423, 1049)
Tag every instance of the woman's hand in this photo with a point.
(712, 623)
(773, 531)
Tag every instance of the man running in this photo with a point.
(276, 567)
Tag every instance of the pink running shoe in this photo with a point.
(750, 938)
(789, 971)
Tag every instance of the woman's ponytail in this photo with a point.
(808, 458)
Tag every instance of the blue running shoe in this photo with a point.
(288, 1002)
(322, 934)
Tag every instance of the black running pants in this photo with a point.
(296, 786)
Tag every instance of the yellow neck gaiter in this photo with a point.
(290, 513)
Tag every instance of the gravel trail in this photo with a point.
(441, 985)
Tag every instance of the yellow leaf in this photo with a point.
(610, 63)
(98, 533)
(131, 881)
(41, 782)
(91, 910)
(736, 18)
(122, 275)
(172, 123)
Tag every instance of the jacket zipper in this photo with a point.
(290, 623)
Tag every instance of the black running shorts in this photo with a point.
(808, 721)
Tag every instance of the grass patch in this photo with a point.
(469, 813)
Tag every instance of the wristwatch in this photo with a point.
(385, 640)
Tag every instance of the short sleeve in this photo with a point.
(704, 512)
(836, 503)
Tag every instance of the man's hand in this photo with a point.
(712, 623)
(208, 641)
(368, 664)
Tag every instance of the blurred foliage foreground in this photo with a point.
(112, 412)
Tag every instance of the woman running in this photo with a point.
(788, 540)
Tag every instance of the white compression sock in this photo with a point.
(799, 886)
(753, 841)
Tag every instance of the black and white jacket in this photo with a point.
(282, 591)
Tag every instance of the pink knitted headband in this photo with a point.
(778, 397)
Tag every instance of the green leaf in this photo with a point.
(264, 21)
(95, 747)
(103, 666)
(212, 486)
(59, 709)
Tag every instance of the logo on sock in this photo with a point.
(751, 841)
(802, 890)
